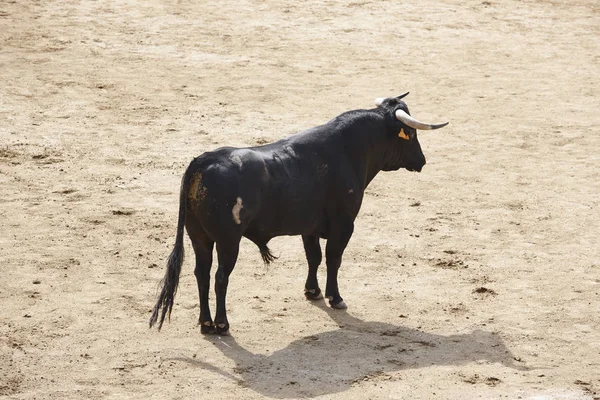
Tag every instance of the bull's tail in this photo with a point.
(266, 254)
(168, 286)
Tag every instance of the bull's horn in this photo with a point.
(416, 124)
(380, 100)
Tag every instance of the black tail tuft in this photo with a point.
(266, 254)
(168, 287)
(171, 280)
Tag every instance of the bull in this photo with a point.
(310, 184)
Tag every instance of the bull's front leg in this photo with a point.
(336, 244)
(314, 257)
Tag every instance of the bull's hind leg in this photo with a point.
(203, 248)
(227, 253)
(314, 257)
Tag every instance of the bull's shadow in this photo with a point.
(357, 350)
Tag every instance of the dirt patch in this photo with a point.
(478, 277)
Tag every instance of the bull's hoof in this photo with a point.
(223, 329)
(340, 305)
(313, 294)
(207, 327)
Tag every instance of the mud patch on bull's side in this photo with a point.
(195, 185)
(202, 192)
(235, 211)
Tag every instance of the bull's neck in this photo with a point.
(368, 153)
(374, 165)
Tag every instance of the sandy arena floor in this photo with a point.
(477, 278)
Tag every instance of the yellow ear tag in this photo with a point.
(403, 135)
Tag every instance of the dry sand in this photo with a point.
(477, 278)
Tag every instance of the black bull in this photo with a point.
(310, 184)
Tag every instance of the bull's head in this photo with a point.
(405, 146)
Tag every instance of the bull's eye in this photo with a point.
(403, 135)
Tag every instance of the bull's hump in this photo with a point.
(241, 159)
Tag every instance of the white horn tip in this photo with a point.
(379, 101)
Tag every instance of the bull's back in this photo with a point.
(259, 193)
